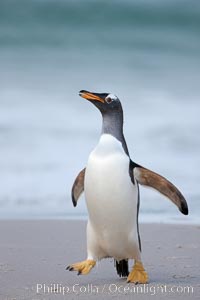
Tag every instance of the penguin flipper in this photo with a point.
(78, 186)
(151, 179)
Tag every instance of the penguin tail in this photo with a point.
(122, 267)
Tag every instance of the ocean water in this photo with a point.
(145, 52)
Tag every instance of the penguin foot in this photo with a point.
(138, 274)
(83, 267)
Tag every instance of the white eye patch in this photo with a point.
(111, 96)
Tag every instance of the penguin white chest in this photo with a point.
(111, 197)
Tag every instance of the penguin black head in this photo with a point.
(112, 114)
(105, 102)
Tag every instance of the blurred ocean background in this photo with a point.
(145, 52)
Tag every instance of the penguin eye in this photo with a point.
(108, 100)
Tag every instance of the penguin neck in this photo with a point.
(113, 125)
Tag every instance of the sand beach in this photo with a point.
(34, 255)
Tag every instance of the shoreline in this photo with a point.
(84, 218)
(34, 254)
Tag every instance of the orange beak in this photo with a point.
(90, 96)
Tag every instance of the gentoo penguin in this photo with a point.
(110, 183)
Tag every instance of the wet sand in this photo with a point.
(34, 254)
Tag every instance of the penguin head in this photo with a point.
(105, 102)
